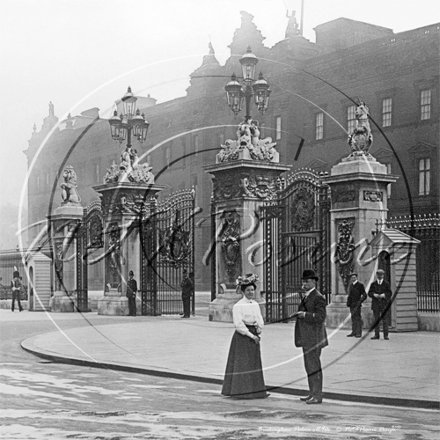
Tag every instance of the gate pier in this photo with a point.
(124, 206)
(359, 200)
(241, 185)
(64, 225)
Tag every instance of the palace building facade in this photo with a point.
(316, 88)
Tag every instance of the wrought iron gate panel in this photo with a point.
(297, 237)
(81, 268)
(89, 236)
(167, 239)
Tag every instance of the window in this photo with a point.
(167, 156)
(319, 126)
(278, 127)
(424, 176)
(183, 163)
(351, 118)
(38, 181)
(47, 179)
(387, 106)
(196, 144)
(96, 173)
(262, 130)
(425, 105)
(388, 165)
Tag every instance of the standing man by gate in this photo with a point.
(131, 293)
(380, 293)
(311, 335)
(356, 297)
(187, 286)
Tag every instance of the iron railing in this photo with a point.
(425, 228)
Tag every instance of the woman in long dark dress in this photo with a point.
(244, 374)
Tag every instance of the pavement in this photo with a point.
(403, 371)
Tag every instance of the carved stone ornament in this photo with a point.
(121, 202)
(227, 186)
(174, 245)
(232, 185)
(248, 145)
(261, 187)
(230, 244)
(345, 196)
(129, 170)
(59, 265)
(113, 258)
(344, 254)
(373, 196)
(69, 193)
(95, 232)
(361, 139)
(302, 210)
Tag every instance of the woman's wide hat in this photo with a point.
(247, 279)
(309, 274)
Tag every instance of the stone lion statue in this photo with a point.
(69, 193)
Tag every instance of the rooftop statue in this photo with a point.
(361, 139)
(248, 145)
(129, 169)
(69, 193)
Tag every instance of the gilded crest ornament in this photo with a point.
(303, 210)
(174, 244)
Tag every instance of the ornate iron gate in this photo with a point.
(296, 237)
(167, 250)
(89, 236)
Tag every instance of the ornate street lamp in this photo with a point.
(130, 123)
(237, 93)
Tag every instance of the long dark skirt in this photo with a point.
(244, 373)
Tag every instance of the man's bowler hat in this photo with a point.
(131, 273)
(309, 274)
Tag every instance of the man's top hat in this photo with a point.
(131, 273)
(15, 274)
(309, 274)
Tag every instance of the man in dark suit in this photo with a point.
(356, 297)
(311, 335)
(187, 286)
(380, 293)
(16, 287)
(131, 293)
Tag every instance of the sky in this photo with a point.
(80, 54)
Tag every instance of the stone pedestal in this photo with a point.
(240, 188)
(359, 199)
(123, 205)
(63, 226)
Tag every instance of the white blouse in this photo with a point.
(247, 312)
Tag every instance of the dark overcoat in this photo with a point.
(131, 288)
(380, 304)
(357, 294)
(310, 331)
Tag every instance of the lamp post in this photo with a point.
(130, 123)
(259, 89)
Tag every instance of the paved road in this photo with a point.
(43, 400)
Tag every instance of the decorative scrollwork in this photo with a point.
(302, 210)
(230, 244)
(174, 244)
(344, 254)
